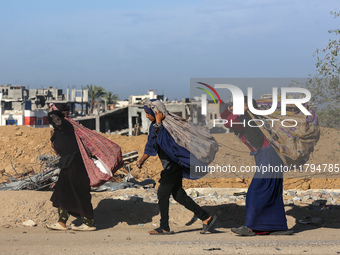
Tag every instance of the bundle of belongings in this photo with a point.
(295, 140)
(102, 157)
(186, 143)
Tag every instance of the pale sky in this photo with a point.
(130, 46)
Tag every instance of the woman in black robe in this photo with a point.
(72, 191)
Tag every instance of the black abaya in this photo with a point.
(72, 191)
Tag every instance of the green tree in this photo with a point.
(327, 58)
(95, 94)
(325, 84)
(110, 98)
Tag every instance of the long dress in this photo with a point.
(72, 190)
(264, 202)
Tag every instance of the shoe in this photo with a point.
(83, 227)
(243, 231)
(283, 232)
(56, 226)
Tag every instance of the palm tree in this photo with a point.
(110, 98)
(95, 93)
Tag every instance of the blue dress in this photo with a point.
(264, 203)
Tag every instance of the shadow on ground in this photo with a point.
(110, 212)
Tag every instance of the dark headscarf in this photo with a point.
(62, 107)
(55, 118)
(148, 110)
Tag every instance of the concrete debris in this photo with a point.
(33, 179)
(29, 223)
(48, 171)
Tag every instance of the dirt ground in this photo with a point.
(21, 145)
(122, 227)
(123, 224)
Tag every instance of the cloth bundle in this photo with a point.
(295, 141)
(196, 139)
(102, 157)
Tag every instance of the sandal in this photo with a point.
(159, 231)
(56, 226)
(211, 222)
(84, 227)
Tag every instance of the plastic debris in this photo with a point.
(29, 223)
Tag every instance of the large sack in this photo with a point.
(293, 144)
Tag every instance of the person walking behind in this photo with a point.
(160, 142)
(265, 213)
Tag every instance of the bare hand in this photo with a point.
(159, 116)
(139, 164)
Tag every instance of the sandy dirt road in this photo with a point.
(135, 240)
(123, 225)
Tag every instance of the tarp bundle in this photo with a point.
(196, 139)
(295, 140)
(102, 157)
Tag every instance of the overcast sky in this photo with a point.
(130, 46)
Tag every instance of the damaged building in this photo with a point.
(23, 106)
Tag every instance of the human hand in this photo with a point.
(139, 164)
(159, 116)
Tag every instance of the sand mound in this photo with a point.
(21, 145)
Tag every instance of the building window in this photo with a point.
(11, 122)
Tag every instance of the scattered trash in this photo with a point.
(194, 193)
(212, 249)
(319, 205)
(32, 179)
(29, 223)
(310, 220)
(240, 194)
(140, 225)
(44, 174)
(278, 249)
(128, 238)
(215, 194)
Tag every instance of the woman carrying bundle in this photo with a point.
(175, 159)
(265, 213)
(72, 191)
